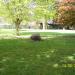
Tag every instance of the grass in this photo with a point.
(12, 32)
(55, 56)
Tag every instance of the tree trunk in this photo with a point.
(46, 27)
(17, 25)
(17, 29)
(44, 24)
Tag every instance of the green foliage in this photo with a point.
(15, 9)
(20, 8)
(45, 9)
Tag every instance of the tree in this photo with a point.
(45, 9)
(15, 11)
(18, 10)
(66, 13)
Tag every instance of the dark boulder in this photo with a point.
(36, 37)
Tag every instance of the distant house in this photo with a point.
(53, 25)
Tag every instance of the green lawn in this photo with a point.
(12, 32)
(54, 56)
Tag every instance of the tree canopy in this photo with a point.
(66, 12)
(17, 11)
(23, 8)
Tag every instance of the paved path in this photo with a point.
(37, 30)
